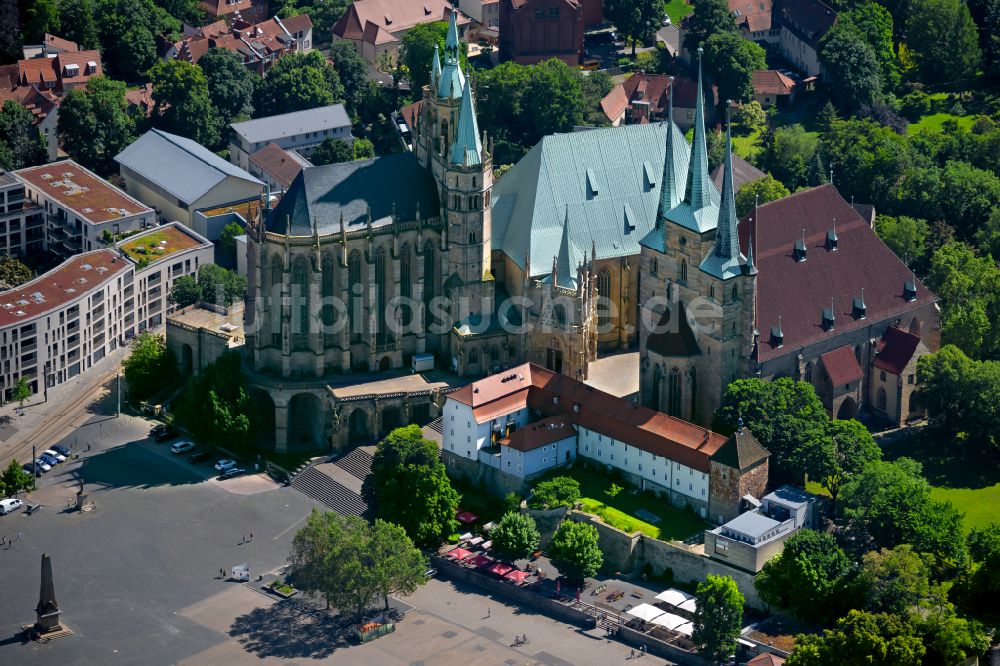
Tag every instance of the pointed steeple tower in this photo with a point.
(668, 192)
(467, 150)
(451, 40)
(452, 79)
(697, 192)
(435, 68)
(727, 243)
(565, 262)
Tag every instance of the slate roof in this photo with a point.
(530, 201)
(809, 20)
(272, 128)
(741, 451)
(895, 350)
(743, 173)
(326, 192)
(841, 366)
(178, 165)
(799, 291)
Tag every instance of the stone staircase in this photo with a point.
(437, 425)
(317, 485)
(357, 463)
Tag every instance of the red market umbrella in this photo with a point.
(517, 576)
(480, 561)
(459, 554)
(500, 569)
(466, 517)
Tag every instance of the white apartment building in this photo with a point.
(63, 322)
(79, 207)
(22, 229)
(300, 131)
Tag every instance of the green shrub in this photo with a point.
(559, 491)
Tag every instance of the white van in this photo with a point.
(8, 505)
(422, 363)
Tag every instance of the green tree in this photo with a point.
(873, 23)
(21, 143)
(363, 149)
(905, 236)
(94, 124)
(988, 236)
(297, 82)
(221, 286)
(42, 17)
(749, 118)
(14, 479)
(13, 272)
(398, 566)
(215, 407)
(185, 291)
(890, 503)
(21, 392)
(351, 69)
(417, 51)
(860, 638)
(718, 618)
(332, 151)
(949, 638)
(553, 98)
(128, 30)
(759, 191)
(732, 61)
(984, 547)
(182, 105)
(962, 397)
(557, 491)
(512, 502)
(968, 287)
(787, 153)
(894, 580)
(868, 159)
(515, 536)
(227, 241)
(638, 20)
(78, 24)
(853, 450)
(10, 32)
(574, 551)
(231, 85)
(946, 49)
(853, 67)
(408, 485)
(807, 578)
(613, 491)
(709, 17)
(593, 88)
(150, 366)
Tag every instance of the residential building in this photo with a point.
(772, 88)
(259, 45)
(535, 30)
(51, 46)
(22, 228)
(894, 373)
(791, 503)
(405, 122)
(815, 288)
(180, 178)
(300, 131)
(748, 541)
(376, 27)
(61, 72)
(140, 101)
(484, 12)
(161, 256)
(44, 108)
(277, 167)
(526, 421)
(231, 10)
(645, 98)
(82, 211)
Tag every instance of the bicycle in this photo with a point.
(521, 640)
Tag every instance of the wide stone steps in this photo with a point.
(317, 485)
(357, 463)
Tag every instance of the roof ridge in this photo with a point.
(170, 137)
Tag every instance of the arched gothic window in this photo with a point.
(300, 303)
(674, 393)
(881, 398)
(356, 286)
(604, 299)
(684, 271)
(330, 297)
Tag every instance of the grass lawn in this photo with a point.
(940, 107)
(971, 483)
(677, 9)
(744, 145)
(620, 512)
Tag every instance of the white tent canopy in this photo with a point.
(673, 597)
(687, 629)
(669, 621)
(645, 612)
(691, 605)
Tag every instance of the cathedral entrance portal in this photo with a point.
(848, 409)
(357, 428)
(384, 364)
(263, 423)
(305, 423)
(554, 360)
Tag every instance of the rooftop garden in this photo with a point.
(151, 247)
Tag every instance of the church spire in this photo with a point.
(451, 41)
(452, 79)
(435, 68)
(668, 191)
(698, 184)
(467, 150)
(727, 244)
(568, 257)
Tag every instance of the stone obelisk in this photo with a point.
(48, 609)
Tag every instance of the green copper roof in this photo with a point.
(673, 179)
(435, 68)
(452, 80)
(451, 41)
(567, 260)
(530, 202)
(725, 260)
(467, 150)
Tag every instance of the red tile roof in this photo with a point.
(38, 102)
(766, 659)
(615, 103)
(771, 82)
(224, 7)
(57, 70)
(541, 433)
(376, 34)
(841, 366)
(92, 198)
(65, 283)
(394, 16)
(798, 292)
(752, 15)
(278, 163)
(895, 350)
(552, 394)
(410, 113)
(60, 43)
(141, 99)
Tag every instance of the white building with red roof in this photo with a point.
(377, 26)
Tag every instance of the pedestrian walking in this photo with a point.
(489, 612)
(243, 539)
(251, 536)
(643, 650)
(631, 653)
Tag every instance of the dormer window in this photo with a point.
(859, 307)
(910, 290)
(828, 318)
(831, 239)
(777, 335)
(799, 251)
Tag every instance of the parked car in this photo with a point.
(8, 505)
(62, 449)
(590, 64)
(52, 453)
(29, 468)
(50, 460)
(182, 447)
(42, 465)
(225, 464)
(199, 457)
(230, 472)
(167, 433)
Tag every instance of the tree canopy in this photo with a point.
(946, 48)
(13, 479)
(408, 485)
(962, 397)
(515, 536)
(21, 142)
(709, 17)
(718, 618)
(787, 153)
(297, 82)
(94, 124)
(181, 102)
(352, 70)
(332, 151)
(150, 366)
(215, 407)
(214, 284)
(127, 32)
(807, 578)
(574, 551)
(969, 287)
(759, 191)
(13, 272)
(231, 85)
(638, 20)
(558, 491)
(876, 639)
(732, 61)
(855, 68)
